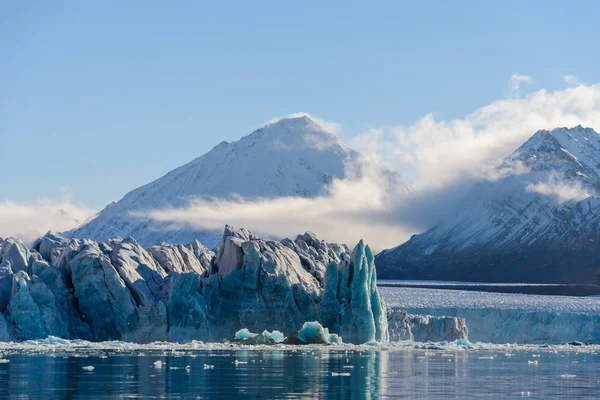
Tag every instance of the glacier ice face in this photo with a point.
(117, 290)
(425, 328)
(505, 317)
(351, 302)
(15, 253)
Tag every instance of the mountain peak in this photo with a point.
(300, 123)
(290, 157)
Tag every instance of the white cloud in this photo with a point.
(440, 158)
(516, 80)
(434, 153)
(30, 221)
(558, 188)
(571, 80)
(354, 209)
(331, 127)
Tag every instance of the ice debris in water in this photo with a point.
(313, 332)
(276, 336)
(340, 374)
(158, 364)
(88, 368)
(206, 366)
(4, 361)
(244, 334)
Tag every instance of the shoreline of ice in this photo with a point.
(83, 347)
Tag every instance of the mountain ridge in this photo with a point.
(539, 223)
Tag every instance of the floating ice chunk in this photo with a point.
(244, 334)
(206, 366)
(313, 332)
(568, 376)
(158, 364)
(340, 374)
(276, 336)
(4, 361)
(530, 362)
(88, 368)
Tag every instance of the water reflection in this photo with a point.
(364, 374)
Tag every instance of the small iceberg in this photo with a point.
(314, 333)
(244, 336)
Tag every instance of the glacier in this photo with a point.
(403, 326)
(502, 317)
(117, 290)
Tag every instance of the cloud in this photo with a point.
(560, 189)
(441, 159)
(434, 153)
(331, 127)
(30, 221)
(362, 208)
(571, 80)
(516, 80)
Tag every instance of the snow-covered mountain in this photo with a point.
(537, 221)
(291, 157)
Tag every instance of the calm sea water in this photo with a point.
(302, 373)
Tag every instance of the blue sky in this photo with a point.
(101, 97)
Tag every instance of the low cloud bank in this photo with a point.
(30, 221)
(562, 191)
(362, 208)
(436, 153)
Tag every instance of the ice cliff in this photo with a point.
(425, 328)
(117, 290)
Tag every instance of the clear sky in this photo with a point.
(101, 97)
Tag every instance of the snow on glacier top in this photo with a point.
(418, 298)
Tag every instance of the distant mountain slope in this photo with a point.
(291, 157)
(538, 222)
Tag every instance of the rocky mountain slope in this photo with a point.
(536, 221)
